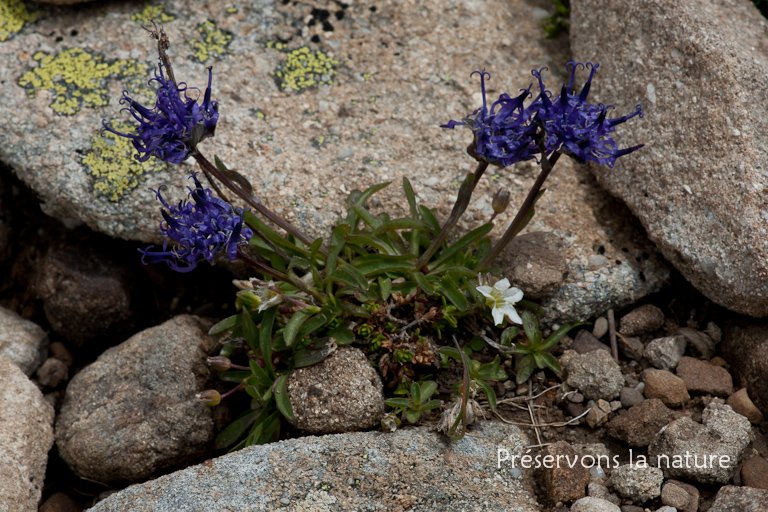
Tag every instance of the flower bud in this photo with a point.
(247, 298)
(209, 397)
(500, 201)
(220, 363)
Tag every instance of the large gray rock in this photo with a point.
(26, 435)
(374, 117)
(133, 412)
(739, 499)
(412, 469)
(22, 342)
(595, 374)
(698, 185)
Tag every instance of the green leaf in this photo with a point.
(227, 324)
(556, 336)
(489, 394)
(531, 327)
(282, 400)
(471, 287)
(237, 428)
(461, 243)
(317, 351)
(551, 362)
(508, 334)
(453, 294)
(379, 244)
(410, 196)
(428, 389)
(338, 238)
(343, 336)
(385, 284)
(422, 281)
(429, 217)
(476, 344)
(250, 331)
(370, 267)
(298, 262)
(531, 306)
(432, 404)
(235, 376)
(312, 325)
(366, 216)
(343, 277)
(270, 427)
(492, 371)
(362, 281)
(265, 337)
(362, 198)
(404, 223)
(235, 176)
(399, 402)
(416, 393)
(260, 374)
(294, 324)
(412, 415)
(525, 369)
(450, 352)
(529, 214)
(270, 234)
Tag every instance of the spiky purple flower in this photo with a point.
(509, 133)
(177, 123)
(503, 135)
(200, 228)
(577, 128)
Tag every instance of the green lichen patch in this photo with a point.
(303, 69)
(76, 78)
(152, 12)
(13, 16)
(111, 162)
(212, 42)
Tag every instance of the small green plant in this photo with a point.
(535, 351)
(479, 373)
(417, 402)
(557, 23)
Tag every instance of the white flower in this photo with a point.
(269, 297)
(502, 299)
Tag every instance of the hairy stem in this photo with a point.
(462, 201)
(509, 234)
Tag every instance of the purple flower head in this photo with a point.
(201, 228)
(175, 126)
(577, 128)
(504, 133)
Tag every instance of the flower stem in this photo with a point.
(509, 234)
(257, 205)
(462, 201)
(298, 283)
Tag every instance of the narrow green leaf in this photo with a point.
(404, 223)
(260, 374)
(449, 289)
(525, 369)
(551, 362)
(489, 394)
(492, 371)
(294, 324)
(372, 267)
(317, 351)
(265, 337)
(461, 243)
(429, 217)
(379, 244)
(227, 324)
(362, 281)
(450, 352)
(385, 284)
(271, 425)
(412, 415)
(432, 404)
(250, 331)
(312, 325)
(237, 428)
(338, 237)
(416, 393)
(298, 262)
(271, 235)
(343, 277)
(282, 399)
(235, 376)
(428, 389)
(410, 196)
(399, 402)
(556, 336)
(366, 216)
(314, 249)
(362, 198)
(422, 281)
(531, 327)
(508, 334)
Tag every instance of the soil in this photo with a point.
(26, 234)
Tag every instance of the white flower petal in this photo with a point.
(515, 295)
(502, 285)
(512, 314)
(485, 290)
(498, 316)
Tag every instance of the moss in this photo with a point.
(13, 16)
(111, 162)
(211, 43)
(153, 12)
(76, 78)
(303, 69)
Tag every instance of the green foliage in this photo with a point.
(557, 23)
(481, 374)
(417, 402)
(535, 351)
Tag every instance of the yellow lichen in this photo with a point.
(213, 41)
(231, 10)
(111, 161)
(304, 69)
(76, 78)
(152, 12)
(13, 16)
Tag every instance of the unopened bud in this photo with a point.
(220, 363)
(500, 201)
(209, 397)
(247, 298)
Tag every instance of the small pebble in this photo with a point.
(600, 328)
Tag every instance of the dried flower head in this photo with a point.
(201, 228)
(175, 126)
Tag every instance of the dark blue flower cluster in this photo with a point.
(175, 126)
(509, 133)
(201, 228)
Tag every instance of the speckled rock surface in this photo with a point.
(412, 469)
(536, 264)
(343, 393)
(721, 439)
(26, 435)
(697, 186)
(388, 78)
(747, 352)
(739, 499)
(133, 411)
(22, 341)
(596, 375)
(637, 483)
